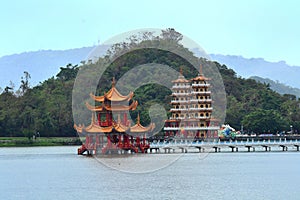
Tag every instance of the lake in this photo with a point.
(58, 173)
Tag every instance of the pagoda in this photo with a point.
(191, 109)
(110, 130)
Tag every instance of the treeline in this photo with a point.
(257, 108)
(47, 108)
(44, 109)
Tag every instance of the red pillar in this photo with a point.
(97, 139)
(86, 140)
(138, 140)
(144, 140)
(125, 118)
(120, 141)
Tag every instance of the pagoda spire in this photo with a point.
(138, 120)
(113, 82)
(181, 71)
(201, 71)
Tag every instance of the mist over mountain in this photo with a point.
(41, 65)
(277, 86)
(44, 64)
(276, 71)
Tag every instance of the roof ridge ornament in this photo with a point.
(181, 71)
(201, 70)
(138, 120)
(113, 83)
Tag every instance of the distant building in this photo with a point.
(191, 109)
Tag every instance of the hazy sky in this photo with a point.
(252, 28)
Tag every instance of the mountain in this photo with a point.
(281, 71)
(41, 65)
(277, 86)
(44, 64)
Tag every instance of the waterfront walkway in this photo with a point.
(215, 145)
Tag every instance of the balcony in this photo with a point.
(201, 92)
(204, 117)
(200, 100)
(180, 101)
(200, 85)
(181, 94)
(201, 109)
(181, 87)
(171, 128)
(179, 109)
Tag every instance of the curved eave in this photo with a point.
(138, 128)
(94, 128)
(93, 108)
(201, 78)
(114, 95)
(180, 81)
(78, 128)
(120, 127)
(97, 98)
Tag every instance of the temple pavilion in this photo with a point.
(191, 109)
(110, 129)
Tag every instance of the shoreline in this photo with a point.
(40, 141)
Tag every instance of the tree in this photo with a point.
(68, 73)
(25, 85)
(171, 34)
(260, 121)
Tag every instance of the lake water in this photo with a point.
(58, 173)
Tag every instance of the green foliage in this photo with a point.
(258, 108)
(266, 121)
(28, 134)
(278, 87)
(47, 108)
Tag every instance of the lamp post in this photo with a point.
(291, 126)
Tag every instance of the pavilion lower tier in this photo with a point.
(100, 143)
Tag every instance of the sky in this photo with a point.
(268, 29)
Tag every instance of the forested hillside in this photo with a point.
(277, 86)
(47, 108)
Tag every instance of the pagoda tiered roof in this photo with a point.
(181, 78)
(138, 127)
(112, 95)
(201, 76)
(116, 126)
(113, 107)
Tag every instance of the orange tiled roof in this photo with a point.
(139, 128)
(112, 95)
(180, 80)
(200, 77)
(116, 107)
(118, 126)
